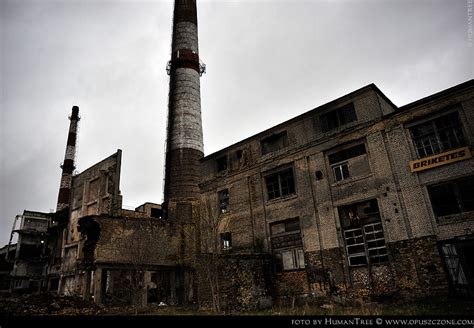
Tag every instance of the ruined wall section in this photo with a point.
(96, 191)
(135, 242)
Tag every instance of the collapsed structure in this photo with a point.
(356, 197)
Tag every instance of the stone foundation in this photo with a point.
(414, 270)
(244, 282)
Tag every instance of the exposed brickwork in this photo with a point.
(245, 282)
(410, 229)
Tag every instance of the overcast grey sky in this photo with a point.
(267, 61)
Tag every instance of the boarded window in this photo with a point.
(344, 163)
(452, 197)
(93, 192)
(280, 184)
(287, 245)
(274, 142)
(338, 117)
(224, 205)
(438, 135)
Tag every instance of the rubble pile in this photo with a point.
(48, 304)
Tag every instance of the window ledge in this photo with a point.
(455, 218)
(290, 270)
(281, 199)
(351, 180)
(370, 264)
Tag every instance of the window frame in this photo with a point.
(460, 198)
(341, 170)
(342, 115)
(433, 139)
(339, 159)
(364, 234)
(279, 140)
(278, 192)
(287, 241)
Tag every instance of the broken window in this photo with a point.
(341, 171)
(221, 163)
(363, 233)
(226, 241)
(452, 197)
(287, 245)
(338, 117)
(274, 142)
(340, 161)
(280, 184)
(224, 205)
(438, 135)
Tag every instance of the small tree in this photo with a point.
(133, 245)
(207, 260)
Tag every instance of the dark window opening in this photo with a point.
(238, 154)
(319, 175)
(280, 184)
(438, 135)
(345, 154)
(338, 117)
(226, 241)
(224, 205)
(452, 197)
(221, 163)
(274, 142)
(156, 213)
(363, 233)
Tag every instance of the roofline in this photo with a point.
(465, 85)
(118, 153)
(365, 88)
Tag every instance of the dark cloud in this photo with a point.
(267, 61)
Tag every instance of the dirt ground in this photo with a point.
(53, 305)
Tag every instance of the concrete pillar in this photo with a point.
(173, 296)
(98, 286)
(86, 288)
(146, 282)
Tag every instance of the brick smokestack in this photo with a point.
(68, 165)
(184, 146)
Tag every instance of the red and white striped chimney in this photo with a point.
(68, 165)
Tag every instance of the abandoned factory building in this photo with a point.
(357, 198)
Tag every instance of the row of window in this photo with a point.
(429, 138)
(361, 226)
(328, 121)
(447, 198)
(282, 183)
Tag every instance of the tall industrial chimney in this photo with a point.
(184, 146)
(68, 165)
